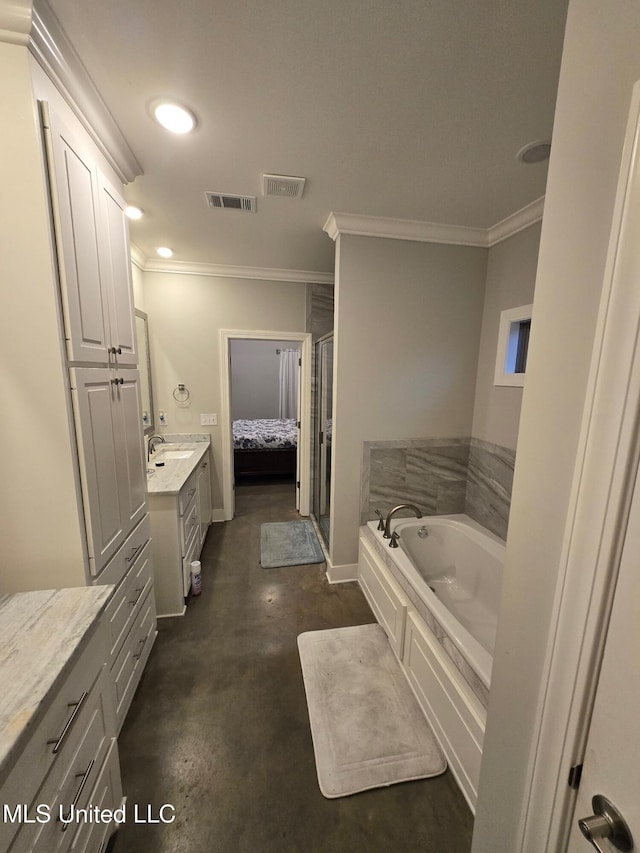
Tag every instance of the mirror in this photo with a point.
(144, 365)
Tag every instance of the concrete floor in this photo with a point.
(219, 727)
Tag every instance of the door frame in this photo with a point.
(304, 448)
(604, 476)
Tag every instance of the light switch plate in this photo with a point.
(208, 420)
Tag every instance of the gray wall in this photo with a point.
(186, 313)
(447, 475)
(511, 276)
(600, 64)
(255, 378)
(408, 318)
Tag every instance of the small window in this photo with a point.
(513, 346)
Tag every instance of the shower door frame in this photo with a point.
(317, 447)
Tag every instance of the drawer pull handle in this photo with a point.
(139, 590)
(66, 819)
(76, 710)
(134, 553)
(140, 647)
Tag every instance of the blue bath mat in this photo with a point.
(289, 543)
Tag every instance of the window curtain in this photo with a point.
(289, 383)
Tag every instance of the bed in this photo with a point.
(265, 448)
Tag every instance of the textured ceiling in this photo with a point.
(413, 109)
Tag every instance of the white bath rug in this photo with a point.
(367, 727)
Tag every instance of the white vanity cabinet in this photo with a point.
(91, 242)
(179, 522)
(131, 622)
(66, 751)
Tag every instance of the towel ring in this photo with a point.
(181, 394)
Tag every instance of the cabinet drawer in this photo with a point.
(126, 556)
(187, 494)
(189, 526)
(72, 782)
(133, 656)
(60, 729)
(107, 794)
(127, 600)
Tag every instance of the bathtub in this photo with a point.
(456, 572)
(436, 596)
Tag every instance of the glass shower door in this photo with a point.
(324, 432)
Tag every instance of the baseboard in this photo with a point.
(217, 515)
(342, 574)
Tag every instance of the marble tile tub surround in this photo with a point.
(489, 484)
(442, 476)
(428, 472)
(41, 635)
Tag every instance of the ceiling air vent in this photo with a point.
(283, 185)
(228, 201)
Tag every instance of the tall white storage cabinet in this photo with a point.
(92, 251)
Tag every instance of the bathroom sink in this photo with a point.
(176, 454)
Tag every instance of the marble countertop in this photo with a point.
(171, 477)
(41, 635)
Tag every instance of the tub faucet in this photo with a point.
(380, 519)
(387, 524)
(151, 444)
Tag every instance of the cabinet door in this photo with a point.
(116, 273)
(132, 470)
(99, 436)
(74, 199)
(204, 498)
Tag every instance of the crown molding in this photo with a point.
(403, 229)
(138, 257)
(15, 22)
(433, 232)
(52, 49)
(220, 271)
(515, 223)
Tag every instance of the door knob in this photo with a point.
(606, 822)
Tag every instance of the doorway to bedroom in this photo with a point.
(265, 379)
(265, 413)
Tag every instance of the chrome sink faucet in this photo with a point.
(151, 444)
(387, 524)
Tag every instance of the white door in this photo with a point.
(132, 469)
(74, 199)
(611, 765)
(116, 273)
(100, 453)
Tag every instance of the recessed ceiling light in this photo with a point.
(164, 251)
(174, 117)
(133, 212)
(534, 152)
